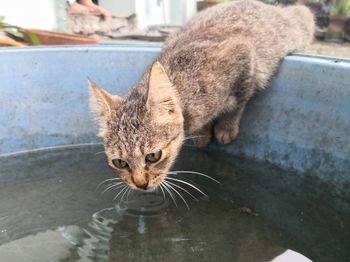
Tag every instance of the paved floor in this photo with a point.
(331, 49)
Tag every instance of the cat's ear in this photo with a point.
(101, 102)
(162, 97)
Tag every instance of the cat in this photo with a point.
(198, 85)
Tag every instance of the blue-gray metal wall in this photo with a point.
(302, 121)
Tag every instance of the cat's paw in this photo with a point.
(201, 141)
(225, 135)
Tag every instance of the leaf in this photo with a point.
(14, 32)
(11, 29)
(341, 7)
(33, 38)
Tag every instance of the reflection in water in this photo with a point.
(94, 242)
(42, 191)
(145, 204)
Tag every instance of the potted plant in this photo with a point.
(41, 37)
(339, 16)
(347, 31)
(201, 5)
(15, 35)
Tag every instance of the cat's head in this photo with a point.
(143, 132)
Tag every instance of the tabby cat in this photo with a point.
(198, 85)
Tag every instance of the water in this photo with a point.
(50, 210)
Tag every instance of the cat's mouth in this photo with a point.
(151, 189)
(148, 189)
(147, 186)
(152, 184)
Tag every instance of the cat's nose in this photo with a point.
(141, 183)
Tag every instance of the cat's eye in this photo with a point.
(118, 163)
(154, 157)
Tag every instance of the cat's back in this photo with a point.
(249, 20)
(227, 14)
(240, 41)
(269, 33)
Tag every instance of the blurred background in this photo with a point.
(54, 22)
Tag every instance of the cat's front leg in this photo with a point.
(202, 137)
(226, 128)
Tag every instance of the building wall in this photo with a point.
(119, 7)
(153, 12)
(51, 14)
(30, 14)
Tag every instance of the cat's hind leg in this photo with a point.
(226, 128)
(202, 137)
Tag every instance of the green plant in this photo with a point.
(341, 7)
(270, 2)
(17, 31)
(279, 2)
(217, 1)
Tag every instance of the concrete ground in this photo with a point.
(330, 49)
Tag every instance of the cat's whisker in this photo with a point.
(191, 137)
(189, 184)
(99, 153)
(106, 180)
(122, 197)
(161, 188)
(124, 188)
(170, 193)
(127, 196)
(183, 199)
(117, 185)
(195, 173)
(183, 189)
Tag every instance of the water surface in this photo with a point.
(50, 210)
